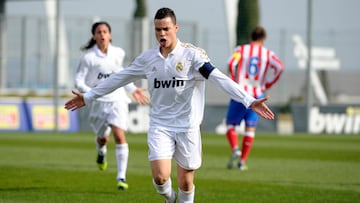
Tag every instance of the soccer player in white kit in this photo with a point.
(108, 112)
(176, 73)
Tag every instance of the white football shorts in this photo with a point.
(184, 147)
(102, 114)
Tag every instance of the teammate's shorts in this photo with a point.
(237, 112)
(102, 114)
(184, 147)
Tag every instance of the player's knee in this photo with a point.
(186, 186)
(103, 141)
(160, 179)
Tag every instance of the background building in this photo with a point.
(28, 47)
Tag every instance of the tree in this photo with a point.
(247, 19)
(140, 10)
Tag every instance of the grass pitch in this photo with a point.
(60, 167)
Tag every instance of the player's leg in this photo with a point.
(188, 155)
(251, 119)
(161, 170)
(101, 139)
(121, 156)
(231, 122)
(232, 137)
(97, 119)
(186, 191)
(161, 145)
(117, 119)
(234, 116)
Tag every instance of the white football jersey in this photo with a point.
(95, 66)
(176, 87)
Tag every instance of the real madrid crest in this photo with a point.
(179, 66)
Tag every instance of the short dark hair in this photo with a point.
(165, 12)
(258, 33)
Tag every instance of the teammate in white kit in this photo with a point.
(176, 73)
(256, 69)
(108, 112)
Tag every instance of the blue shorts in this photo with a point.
(238, 112)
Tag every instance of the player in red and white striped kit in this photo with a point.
(256, 69)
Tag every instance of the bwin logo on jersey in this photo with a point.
(101, 75)
(168, 83)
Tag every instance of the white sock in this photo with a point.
(122, 156)
(186, 196)
(166, 190)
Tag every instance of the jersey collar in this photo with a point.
(176, 48)
(101, 54)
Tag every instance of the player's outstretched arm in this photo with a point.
(262, 109)
(76, 102)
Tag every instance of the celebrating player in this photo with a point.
(176, 73)
(255, 69)
(108, 112)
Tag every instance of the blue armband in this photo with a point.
(206, 69)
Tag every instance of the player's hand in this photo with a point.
(262, 109)
(140, 97)
(76, 102)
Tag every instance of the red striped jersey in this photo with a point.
(255, 68)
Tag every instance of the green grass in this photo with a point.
(58, 168)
